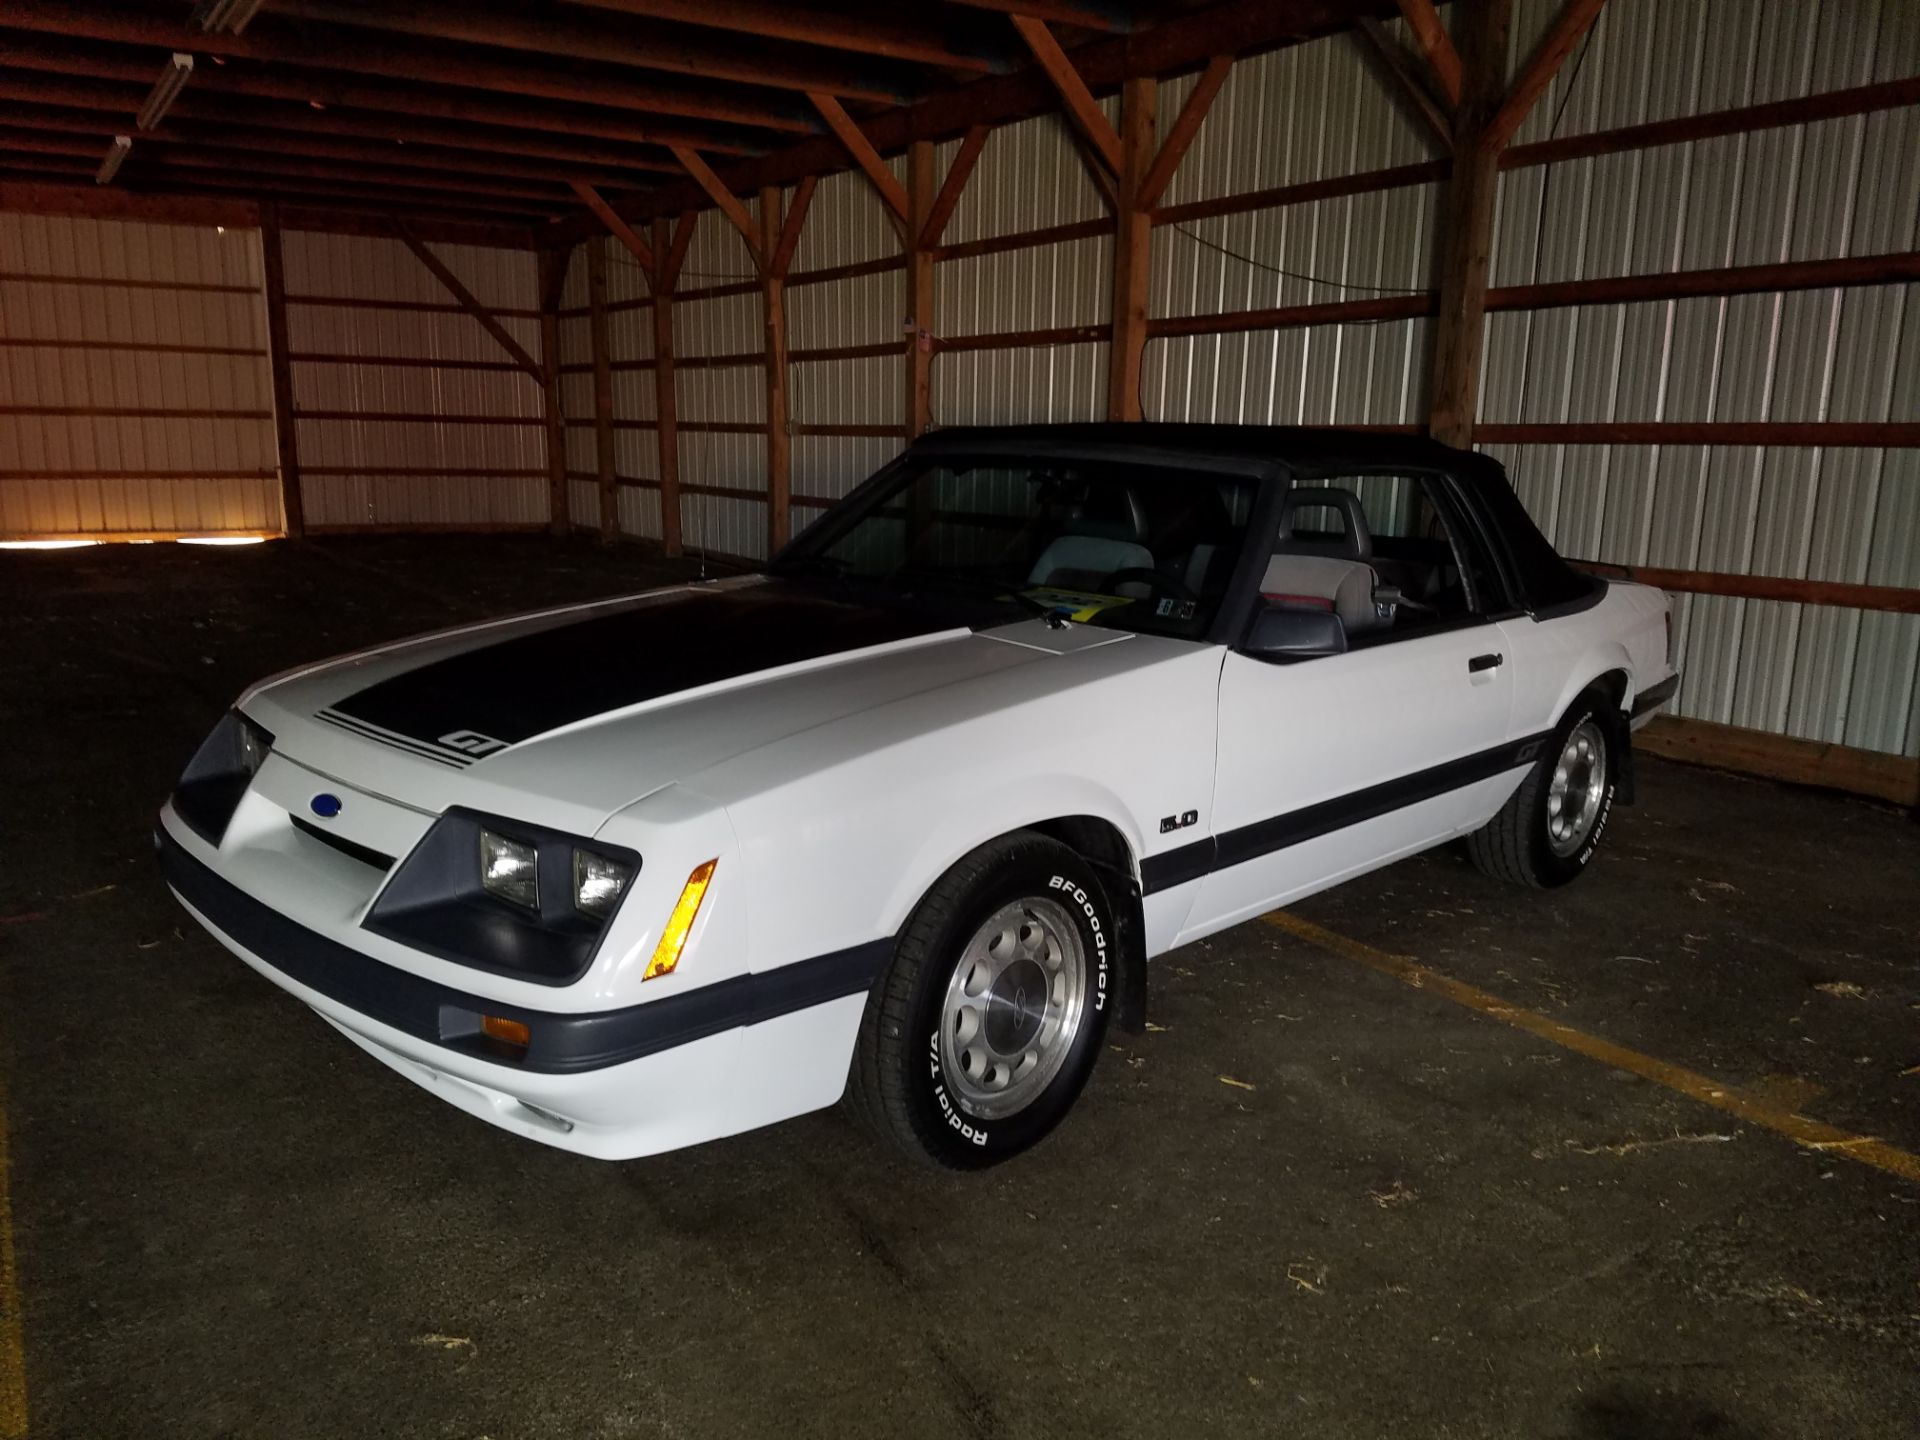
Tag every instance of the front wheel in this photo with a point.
(984, 1029)
(1550, 828)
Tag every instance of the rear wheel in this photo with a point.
(984, 1029)
(1551, 827)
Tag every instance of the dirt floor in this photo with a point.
(1315, 1199)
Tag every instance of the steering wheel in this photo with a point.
(1154, 580)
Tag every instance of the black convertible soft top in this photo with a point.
(1312, 452)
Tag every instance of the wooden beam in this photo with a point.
(602, 387)
(619, 228)
(570, 33)
(782, 258)
(1847, 272)
(1881, 776)
(1095, 167)
(285, 432)
(1087, 14)
(1792, 434)
(1082, 108)
(467, 301)
(552, 279)
(319, 99)
(1406, 81)
(779, 443)
(890, 191)
(1846, 595)
(729, 204)
(1442, 58)
(676, 248)
(1186, 125)
(418, 61)
(866, 34)
(918, 406)
(670, 244)
(1531, 83)
(1466, 240)
(958, 173)
(1133, 238)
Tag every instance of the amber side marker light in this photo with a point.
(686, 909)
(510, 1032)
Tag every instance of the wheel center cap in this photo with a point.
(1016, 1006)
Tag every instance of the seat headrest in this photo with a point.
(1357, 544)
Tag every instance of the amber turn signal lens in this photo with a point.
(686, 909)
(512, 1032)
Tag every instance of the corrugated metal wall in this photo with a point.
(1840, 187)
(135, 395)
(410, 413)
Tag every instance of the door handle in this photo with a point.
(1485, 662)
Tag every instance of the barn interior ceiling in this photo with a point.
(500, 113)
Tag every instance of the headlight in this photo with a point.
(598, 882)
(506, 896)
(510, 869)
(219, 773)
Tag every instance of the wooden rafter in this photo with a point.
(467, 301)
(1527, 88)
(1186, 125)
(779, 437)
(1133, 236)
(1401, 67)
(1095, 167)
(619, 228)
(410, 61)
(953, 186)
(782, 258)
(866, 34)
(675, 252)
(569, 33)
(892, 194)
(1087, 14)
(729, 203)
(1082, 108)
(1442, 58)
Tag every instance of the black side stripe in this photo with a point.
(559, 1043)
(1264, 837)
(1654, 696)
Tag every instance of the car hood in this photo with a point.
(569, 715)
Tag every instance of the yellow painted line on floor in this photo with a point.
(13, 1360)
(1753, 1108)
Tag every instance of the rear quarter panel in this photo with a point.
(1557, 657)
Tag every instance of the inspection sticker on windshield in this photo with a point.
(1077, 604)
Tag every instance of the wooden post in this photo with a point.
(1132, 244)
(773, 285)
(665, 404)
(602, 387)
(919, 326)
(285, 434)
(1468, 236)
(553, 270)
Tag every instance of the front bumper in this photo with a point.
(639, 1080)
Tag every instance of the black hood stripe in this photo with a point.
(467, 706)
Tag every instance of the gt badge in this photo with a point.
(1180, 821)
(471, 742)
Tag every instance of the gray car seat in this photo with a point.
(1103, 536)
(1336, 575)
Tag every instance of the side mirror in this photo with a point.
(1292, 634)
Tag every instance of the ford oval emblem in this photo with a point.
(324, 805)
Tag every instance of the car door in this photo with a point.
(1331, 765)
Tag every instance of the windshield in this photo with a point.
(1136, 547)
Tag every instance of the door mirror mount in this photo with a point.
(1282, 633)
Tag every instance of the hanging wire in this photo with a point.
(1546, 190)
(1295, 274)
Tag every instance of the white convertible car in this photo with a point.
(905, 816)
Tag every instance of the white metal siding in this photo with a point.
(79, 298)
(376, 471)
